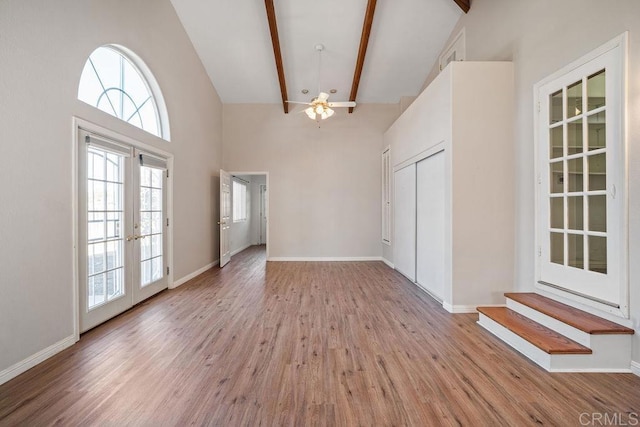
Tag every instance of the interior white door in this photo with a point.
(225, 217)
(263, 214)
(430, 224)
(405, 221)
(122, 234)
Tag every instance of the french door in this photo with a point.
(581, 181)
(122, 232)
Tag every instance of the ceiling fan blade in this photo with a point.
(323, 97)
(342, 104)
(298, 102)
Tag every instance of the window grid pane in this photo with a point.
(151, 225)
(239, 201)
(105, 246)
(577, 173)
(111, 83)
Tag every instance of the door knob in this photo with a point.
(134, 237)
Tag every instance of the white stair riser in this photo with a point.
(560, 327)
(523, 346)
(611, 353)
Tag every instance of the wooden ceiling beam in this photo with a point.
(465, 5)
(362, 51)
(277, 53)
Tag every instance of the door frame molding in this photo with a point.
(267, 203)
(78, 123)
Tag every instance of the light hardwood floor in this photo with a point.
(298, 343)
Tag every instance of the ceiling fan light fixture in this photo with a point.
(319, 108)
(310, 113)
(327, 113)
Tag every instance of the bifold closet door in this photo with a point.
(430, 186)
(404, 256)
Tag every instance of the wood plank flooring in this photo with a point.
(304, 344)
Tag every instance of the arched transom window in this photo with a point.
(115, 81)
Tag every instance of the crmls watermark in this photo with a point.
(609, 419)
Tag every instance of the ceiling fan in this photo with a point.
(320, 108)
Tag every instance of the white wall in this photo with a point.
(324, 195)
(43, 48)
(541, 37)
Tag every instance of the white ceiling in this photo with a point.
(232, 38)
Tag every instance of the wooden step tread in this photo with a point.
(579, 319)
(542, 337)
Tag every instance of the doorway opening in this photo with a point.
(244, 207)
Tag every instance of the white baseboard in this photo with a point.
(237, 251)
(190, 276)
(31, 361)
(389, 263)
(591, 371)
(323, 259)
(635, 368)
(461, 309)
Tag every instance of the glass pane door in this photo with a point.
(581, 181)
(150, 225)
(578, 174)
(104, 186)
(105, 240)
(122, 228)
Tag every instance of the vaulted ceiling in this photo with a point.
(233, 39)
